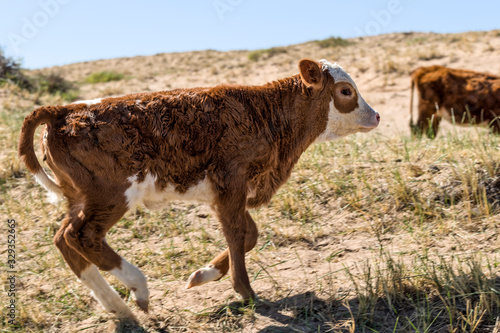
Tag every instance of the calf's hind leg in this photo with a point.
(86, 235)
(219, 266)
(134, 279)
(89, 275)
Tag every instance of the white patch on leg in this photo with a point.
(132, 278)
(203, 275)
(102, 291)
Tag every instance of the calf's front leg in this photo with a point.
(234, 227)
(219, 266)
(230, 207)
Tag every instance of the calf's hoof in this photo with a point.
(248, 300)
(143, 304)
(203, 275)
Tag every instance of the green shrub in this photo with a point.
(333, 42)
(52, 84)
(11, 72)
(105, 76)
(55, 84)
(257, 54)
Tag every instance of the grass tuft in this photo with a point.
(333, 42)
(104, 76)
(425, 293)
(267, 53)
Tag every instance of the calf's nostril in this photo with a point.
(378, 117)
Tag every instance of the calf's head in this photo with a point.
(348, 112)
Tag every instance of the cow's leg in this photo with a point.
(234, 228)
(428, 119)
(89, 275)
(219, 266)
(134, 279)
(231, 210)
(86, 235)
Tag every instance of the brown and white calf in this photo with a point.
(228, 146)
(461, 96)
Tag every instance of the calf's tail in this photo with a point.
(27, 152)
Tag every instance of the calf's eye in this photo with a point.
(346, 92)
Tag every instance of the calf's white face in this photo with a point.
(348, 113)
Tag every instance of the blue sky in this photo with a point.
(54, 32)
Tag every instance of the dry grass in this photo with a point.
(373, 233)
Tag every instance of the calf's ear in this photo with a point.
(310, 72)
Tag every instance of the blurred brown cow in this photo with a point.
(461, 96)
